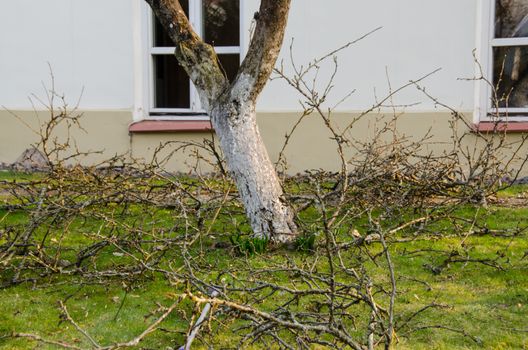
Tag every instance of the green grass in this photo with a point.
(513, 190)
(487, 303)
(483, 301)
(6, 175)
(94, 307)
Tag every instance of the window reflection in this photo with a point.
(221, 20)
(230, 65)
(511, 18)
(172, 86)
(510, 73)
(220, 27)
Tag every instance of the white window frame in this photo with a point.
(486, 41)
(145, 78)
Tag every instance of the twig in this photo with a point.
(196, 328)
(45, 341)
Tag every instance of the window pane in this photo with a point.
(171, 83)
(510, 74)
(511, 18)
(161, 39)
(221, 22)
(230, 64)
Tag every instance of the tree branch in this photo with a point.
(265, 45)
(196, 57)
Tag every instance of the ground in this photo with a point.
(475, 284)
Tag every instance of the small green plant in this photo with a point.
(306, 242)
(248, 245)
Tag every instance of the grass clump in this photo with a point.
(250, 246)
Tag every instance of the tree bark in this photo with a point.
(232, 109)
(251, 168)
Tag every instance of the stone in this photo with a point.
(31, 160)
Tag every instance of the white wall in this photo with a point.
(91, 44)
(87, 43)
(417, 37)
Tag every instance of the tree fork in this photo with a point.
(232, 109)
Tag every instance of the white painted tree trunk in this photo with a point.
(254, 173)
(231, 107)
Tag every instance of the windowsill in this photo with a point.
(155, 126)
(508, 127)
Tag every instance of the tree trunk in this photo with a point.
(251, 168)
(232, 108)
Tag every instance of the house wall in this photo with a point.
(416, 38)
(90, 48)
(88, 45)
(103, 134)
(310, 147)
(96, 51)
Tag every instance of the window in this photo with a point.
(218, 23)
(506, 60)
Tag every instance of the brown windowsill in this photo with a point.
(152, 126)
(509, 127)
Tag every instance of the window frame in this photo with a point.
(195, 112)
(486, 42)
